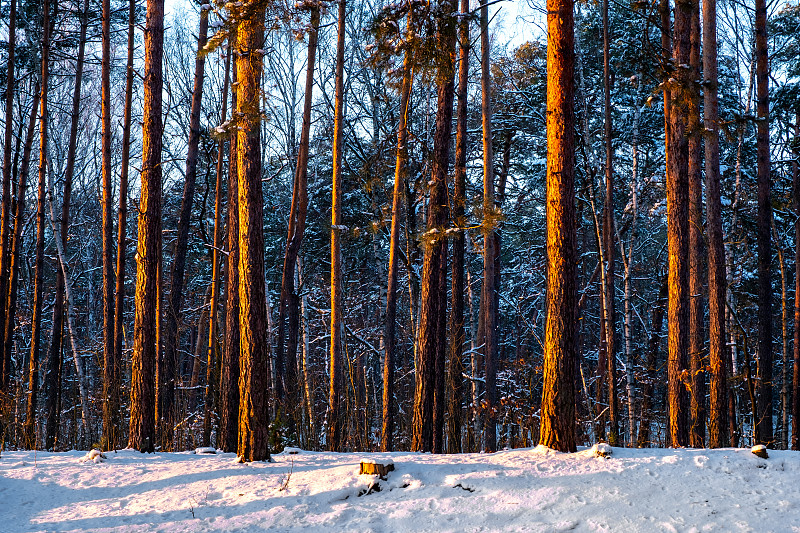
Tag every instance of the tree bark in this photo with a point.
(335, 412)
(764, 222)
(488, 300)
(54, 363)
(678, 229)
(796, 353)
(456, 370)
(111, 423)
(107, 216)
(400, 171)
(38, 282)
(254, 342)
(557, 429)
(168, 363)
(229, 369)
(433, 294)
(213, 341)
(16, 239)
(717, 281)
(5, 230)
(142, 435)
(697, 391)
(287, 380)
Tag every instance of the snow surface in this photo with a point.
(518, 490)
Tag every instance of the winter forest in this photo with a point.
(361, 226)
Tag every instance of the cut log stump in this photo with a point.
(760, 451)
(374, 468)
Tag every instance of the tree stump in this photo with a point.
(760, 451)
(375, 468)
(601, 449)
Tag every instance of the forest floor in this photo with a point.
(516, 490)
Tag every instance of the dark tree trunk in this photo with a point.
(609, 315)
(717, 282)
(557, 429)
(456, 370)
(433, 295)
(228, 438)
(697, 431)
(53, 378)
(111, 423)
(763, 225)
(211, 349)
(168, 363)
(142, 434)
(287, 381)
(488, 300)
(36, 320)
(5, 230)
(254, 343)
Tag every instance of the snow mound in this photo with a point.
(206, 450)
(601, 449)
(94, 455)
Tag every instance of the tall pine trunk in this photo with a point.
(54, 363)
(557, 429)
(335, 400)
(433, 295)
(796, 352)
(717, 281)
(228, 436)
(254, 343)
(168, 363)
(389, 342)
(697, 391)
(488, 300)
(142, 434)
(5, 216)
(678, 231)
(111, 417)
(289, 305)
(38, 281)
(764, 222)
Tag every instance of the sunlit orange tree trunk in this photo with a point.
(254, 344)
(142, 434)
(557, 428)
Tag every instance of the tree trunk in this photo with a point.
(165, 408)
(54, 363)
(254, 342)
(16, 240)
(211, 353)
(433, 294)
(488, 300)
(643, 439)
(557, 429)
(335, 408)
(142, 435)
(697, 391)
(288, 384)
(796, 353)
(107, 216)
(111, 423)
(389, 404)
(764, 222)
(456, 370)
(36, 320)
(229, 369)
(609, 315)
(678, 229)
(5, 230)
(717, 281)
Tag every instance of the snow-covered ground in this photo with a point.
(517, 490)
